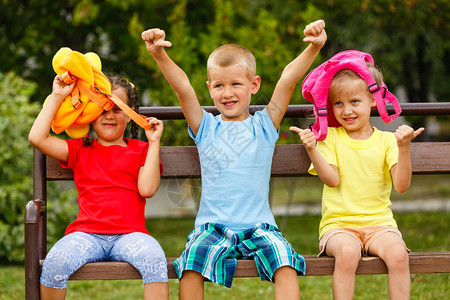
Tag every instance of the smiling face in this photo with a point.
(110, 125)
(231, 89)
(352, 104)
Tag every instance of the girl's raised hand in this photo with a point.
(60, 89)
(405, 134)
(155, 39)
(155, 132)
(306, 135)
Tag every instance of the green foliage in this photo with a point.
(17, 115)
(412, 48)
(16, 160)
(62, 209)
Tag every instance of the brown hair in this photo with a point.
(230, 55)
(340, 79)
(133, 102)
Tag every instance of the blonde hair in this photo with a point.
(341, 78)
(231, 55)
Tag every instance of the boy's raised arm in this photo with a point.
(177, 78)
(315, 35)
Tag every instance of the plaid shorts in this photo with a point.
(213, 250)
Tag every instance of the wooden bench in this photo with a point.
(183, 162)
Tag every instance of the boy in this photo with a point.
(234, 218)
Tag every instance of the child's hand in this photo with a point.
(315, 33)
(155, 132)
(60, 89)
(405, 134)
(155, 39)
(306, 135)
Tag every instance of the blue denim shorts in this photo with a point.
(75, 249)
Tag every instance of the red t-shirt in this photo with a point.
(106, 179)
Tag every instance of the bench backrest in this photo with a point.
(288, 160)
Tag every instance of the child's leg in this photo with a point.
(51, 293)
(346, 251)
(286, 283)
(156, 290)
(275, 258)
(146, 255)
(207, 255)
(191, 286)
(392, 250)
(63, 259)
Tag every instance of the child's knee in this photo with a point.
(284, 273)
(347, 255)
(397, 256)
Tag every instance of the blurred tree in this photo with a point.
(409, 39)
(16, 116)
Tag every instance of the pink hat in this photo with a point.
(316, 84)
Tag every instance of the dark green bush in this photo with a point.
(16, 161)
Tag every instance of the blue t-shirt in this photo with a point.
(236, 160)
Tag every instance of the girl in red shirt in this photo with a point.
(114, 175)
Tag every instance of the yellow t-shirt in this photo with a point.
(362, 197)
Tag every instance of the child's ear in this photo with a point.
(209, 88)
(256, 84)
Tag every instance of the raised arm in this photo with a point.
(177, 78)
(329, 174)
(39, 134)
(315, 35)
(149, 176)
(402, 171)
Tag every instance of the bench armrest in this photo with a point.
(33, 211)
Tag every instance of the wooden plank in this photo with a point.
(430, 157)
(420, 263)
(302, 110)
(288, 160)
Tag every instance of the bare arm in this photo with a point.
(39, 134)
(177, 78)
(402, 171)
(149, 177)
(295, 70)
(329, 174)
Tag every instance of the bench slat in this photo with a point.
(420, 263)
(288, 160)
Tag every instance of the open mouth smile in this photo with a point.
(229, 104)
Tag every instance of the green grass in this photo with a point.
(422, 232)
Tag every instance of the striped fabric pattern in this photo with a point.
(213, 250)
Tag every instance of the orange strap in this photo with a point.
(137, 118)
(106, 101)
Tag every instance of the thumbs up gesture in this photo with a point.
(306, 135)
(405, 134)
(155, 40)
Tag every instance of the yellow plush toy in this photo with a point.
(90, 96)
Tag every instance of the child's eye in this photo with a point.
(337, 103)
(355, 101)
(236, 83)
(218, 85)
